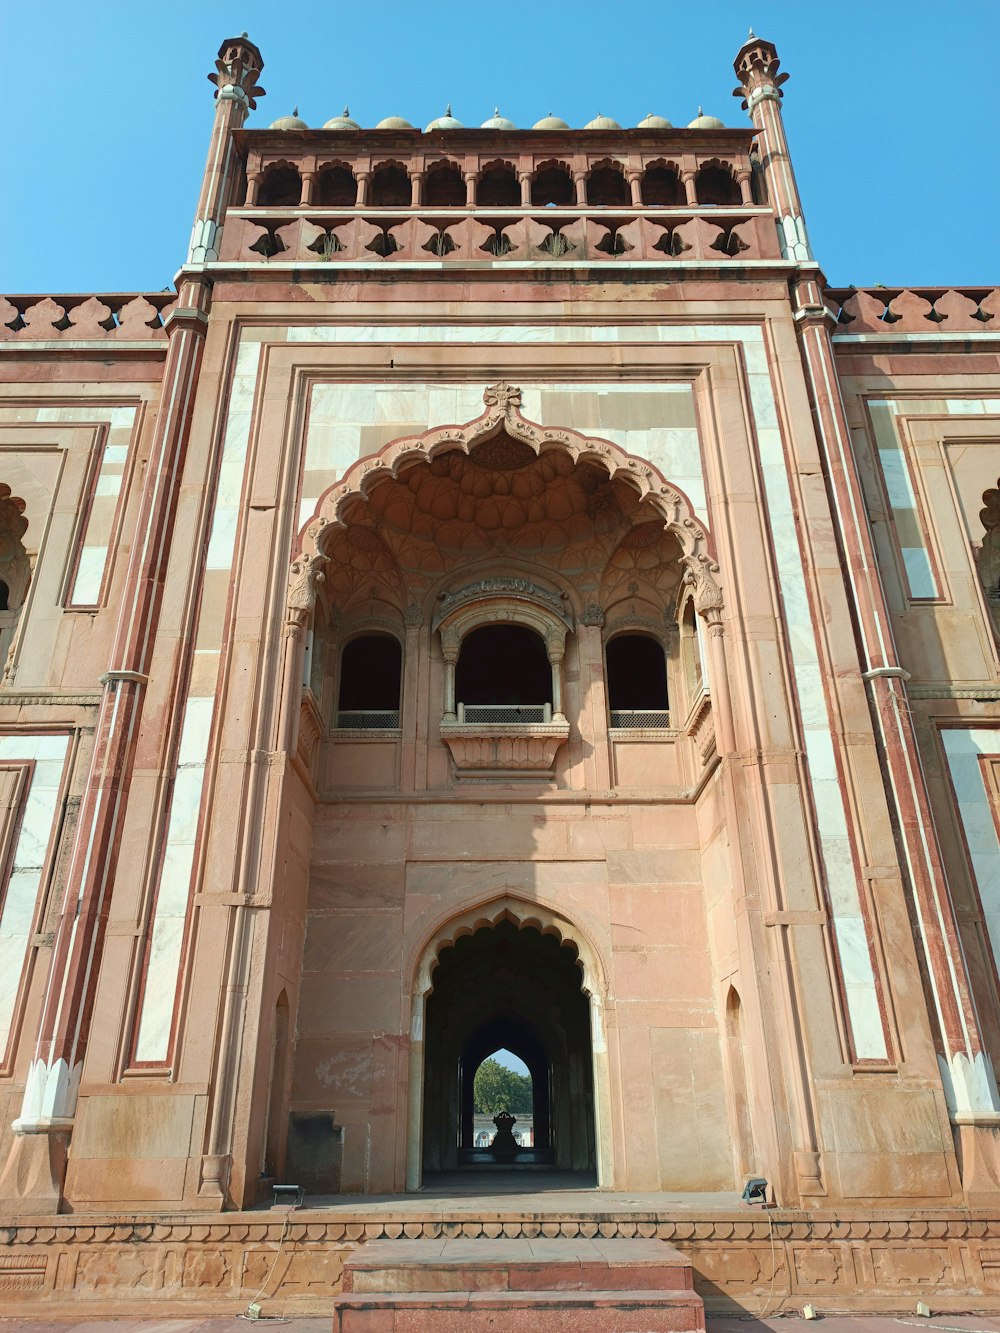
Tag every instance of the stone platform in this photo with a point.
(744, 1260)
(561, 1286)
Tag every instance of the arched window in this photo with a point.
(280, 187)
(390, 187)
(715, 185)
(503, 675)
(661, 186)
(15, 570)
(691, 663)
(336, 187)
(607, 187)
(637, 681)
(370, 678)
(444, 186)
(552, 185)
(498, 186)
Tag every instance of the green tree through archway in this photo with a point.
(497, 1089)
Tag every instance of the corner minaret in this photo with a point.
(236, 72)
(756, 67)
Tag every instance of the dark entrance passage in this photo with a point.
(511, 987)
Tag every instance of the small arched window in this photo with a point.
(552, 185)
(390, 187)
(498, 187)
(336, 187)
(637, 681)
(716, 185)
(444, 186)
(691, 663)
(662, 188)
(607, 187)
(370, 680)
(280, 187)
(503, 675)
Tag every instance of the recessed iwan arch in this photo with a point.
(525, 914)
(503, 415)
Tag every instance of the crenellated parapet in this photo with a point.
(118, 316)
(899, 310)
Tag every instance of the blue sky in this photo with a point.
(891, 111)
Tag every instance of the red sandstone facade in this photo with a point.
(512, 415)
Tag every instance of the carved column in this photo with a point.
(417, 188)
(450, 647)
(470, 187)
(687, 180)
(363, 179)
(580, 186)
(524, 179)
(308, 187)
(635, 186)
(593, 682)
(556, 652)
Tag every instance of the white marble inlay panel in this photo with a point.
(963, 748)
(20, 899)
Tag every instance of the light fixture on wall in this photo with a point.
(288, 1196)
(755, 1191)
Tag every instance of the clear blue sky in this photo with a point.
(892, 111)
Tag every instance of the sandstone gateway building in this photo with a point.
(502, 599)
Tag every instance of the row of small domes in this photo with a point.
(496, 122)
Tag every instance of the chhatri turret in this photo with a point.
(756, 67)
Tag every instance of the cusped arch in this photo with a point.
(521, 913)
(503, 415)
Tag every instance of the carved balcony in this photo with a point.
(504, 751)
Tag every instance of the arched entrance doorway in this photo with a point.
(509, 985)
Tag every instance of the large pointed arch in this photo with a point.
(524, 913)
(503, 413)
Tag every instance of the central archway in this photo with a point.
(515, 975)
(511, 985)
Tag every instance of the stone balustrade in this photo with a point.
(516, 236)
(915, 310)
(121, 317)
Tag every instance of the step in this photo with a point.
(517, 1265)
(519, 1312)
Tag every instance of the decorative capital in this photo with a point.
(236, 71)
(413, 616)
(700, 574)
(502, 397)
(306, 575)
(592, 615)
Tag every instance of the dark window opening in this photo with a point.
(606, 186)
(444, 187)
(390, 188)
(498, 188)
(370, 674)
(280, 188)
(715, 185)
(637, 682)
(336, 188)
(4, 596)
(552, 185)
(504, 666)
(661, 187)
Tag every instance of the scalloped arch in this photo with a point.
(503, 413)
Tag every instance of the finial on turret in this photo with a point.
(236, 70)
(447, 110)
(752, 36)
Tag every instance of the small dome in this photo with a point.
(342, 122)
(445, 122)
(651, 122)
(602, 123)
(498, 122)
(550, 122)
(703, 122)
(394, 123)
(292, 122)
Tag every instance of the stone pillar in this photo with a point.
(450, 649)
(687, 180)
(363, 179)
(743, 180)
(32, 1180)
(470, 187)
(308, 187)
(524, 177)
(593, 683)
(966, 1070)
(580, 185)
(635, 185)
(556, 653)
(756, 68)
(417, 188)
(413, 620)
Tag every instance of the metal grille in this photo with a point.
(631, 718)
(370, 719)
(504, 713)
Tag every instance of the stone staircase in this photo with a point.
(518, 1286)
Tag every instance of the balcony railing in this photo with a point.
(507, 714)
(486, 236)
(368, 719)
(632, 719)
